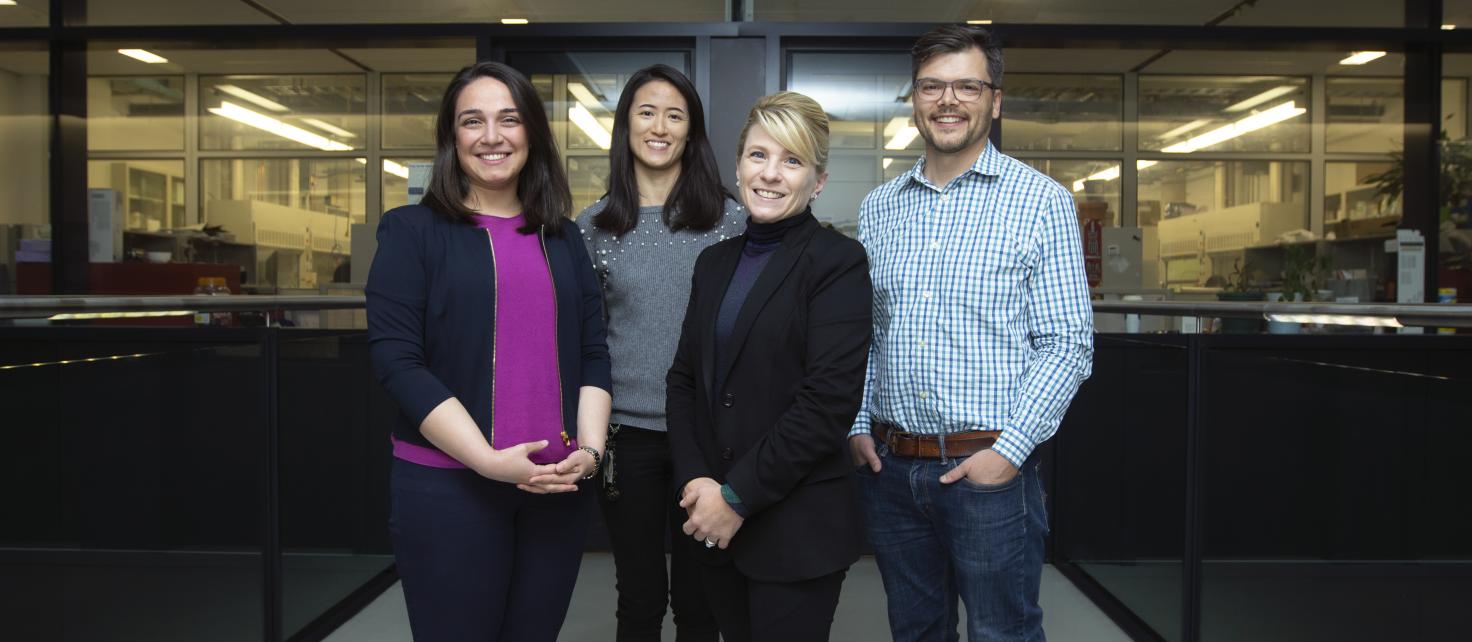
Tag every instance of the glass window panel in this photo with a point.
(1456, 159)
(1062, 112)
(131, 113)
(1361, 199)
(866, 96)
(409, 105)
(150, 192)
(1091, 181)
(1183, 114)
(283, 112)
(233, 12)
(1146, 12)
(1365, 115)
(26, 13)
(580, 91)
(396, 180)
(297, 212)
(25, 135)
(1202, 217)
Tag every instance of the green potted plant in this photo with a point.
(1242, 285)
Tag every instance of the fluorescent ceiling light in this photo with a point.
(1249, 124)
(900, 133)
(1448, 27)
(1262, 98)
(978, 22)
(515, 21)
(581, 93)
(888, 162)
(1337, 319)
(1185, 128)
(329, 128)
(143, 55)
(395, 169)
(7, 3)
(580, 116)
(252, 97)
(268, 124)
(1109, 174)
(1362, 57)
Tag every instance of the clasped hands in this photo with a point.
(514, 466)
(712, 520)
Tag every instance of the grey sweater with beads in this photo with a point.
(646, 283)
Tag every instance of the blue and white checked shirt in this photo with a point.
(982, 318)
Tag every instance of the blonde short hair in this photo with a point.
(796, 122)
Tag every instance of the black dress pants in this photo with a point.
(752, 611)
(643, 517)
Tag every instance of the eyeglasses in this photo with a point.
(965, 89)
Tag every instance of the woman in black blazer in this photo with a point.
(765, 385)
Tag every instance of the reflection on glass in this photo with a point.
(150, 193)
(298, 213)
(1209, 213)
(1358, 199)
(1184, 114)
(288, 112)
(135, 113)
(1091, 181)
(25, 135)
(1062, 112)
(1365, 115)
(866, 95)
(396, 180)
(409, 105)
(587, 175)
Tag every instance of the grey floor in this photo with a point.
(1067, 615)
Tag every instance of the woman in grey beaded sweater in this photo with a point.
(665, 203)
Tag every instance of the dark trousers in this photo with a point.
(639, 521)
(752, 611)
(480, 560)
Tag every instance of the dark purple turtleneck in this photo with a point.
(762, 240)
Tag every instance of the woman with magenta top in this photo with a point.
(485, 322)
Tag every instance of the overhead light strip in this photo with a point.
(253, 98)
(142, 55)
(1109, 174)
(1247, 125)
(1262, 98)
(580, 116)
(1362, 57)
(900, 132)
(266, 123)
(329, 128)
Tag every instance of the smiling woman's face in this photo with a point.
(490, 141)
(775, 184)
(659, 125)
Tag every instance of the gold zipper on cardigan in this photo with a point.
(556, 348)
(496, 323)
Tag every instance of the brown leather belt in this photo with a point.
(958, 444)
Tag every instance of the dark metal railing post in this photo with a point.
(1191, 555)
(271, 549)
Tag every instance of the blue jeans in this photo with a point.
(936, 543)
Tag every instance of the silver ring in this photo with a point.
(709, 544)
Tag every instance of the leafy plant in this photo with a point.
(1304, 273)
(1244, 278)
(1456, 176)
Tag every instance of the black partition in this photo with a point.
(189, 484)
(1271, 487)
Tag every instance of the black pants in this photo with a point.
(480, 560)
(639, 522)
(752, 611)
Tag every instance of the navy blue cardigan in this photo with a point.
(431, 317)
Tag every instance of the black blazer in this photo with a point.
(778, 431)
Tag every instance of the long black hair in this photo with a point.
(542, 184)
(698, 198)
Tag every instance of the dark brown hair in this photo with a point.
(697, 200)
(949, 39)
(542, 184)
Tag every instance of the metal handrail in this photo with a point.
(1411, 314)
(44, 306)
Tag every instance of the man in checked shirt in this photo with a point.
(982, 335)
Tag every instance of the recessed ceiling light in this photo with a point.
(1448, 27)
(7, 3)
(1362, 57)
(142, 55)
(515, 21)
(978, 22)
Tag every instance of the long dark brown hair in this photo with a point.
(697, 199)
(542, 184)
